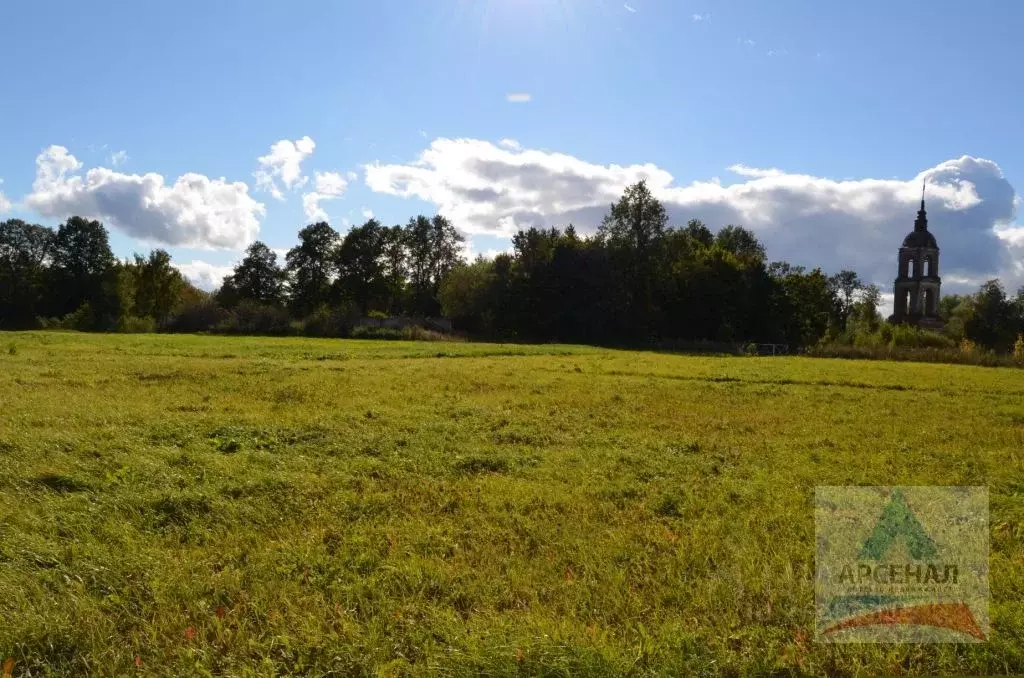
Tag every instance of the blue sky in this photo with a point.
(829, 115)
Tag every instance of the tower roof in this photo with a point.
(920, 236)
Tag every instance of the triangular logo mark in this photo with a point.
(898, 520)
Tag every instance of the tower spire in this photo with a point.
(921, 223)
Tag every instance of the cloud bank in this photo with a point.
(496, 189)
(282, 167)
(328, 186)
(195, 211)
(204, 275)
(5, 204)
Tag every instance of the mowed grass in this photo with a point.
(184, 505)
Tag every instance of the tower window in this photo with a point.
(910, 267)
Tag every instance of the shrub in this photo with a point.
(404, 334)
(1018, 349)
(325, 322)
(133, 324)
(252, 318)
(82, 319)
(199, 316)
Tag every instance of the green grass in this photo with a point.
(254, 506)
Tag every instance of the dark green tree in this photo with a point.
(845, 286)
(311, 267)
(256, 279)
(360, 264)
(84, 272)
(24, 257)
(634, 229)
(993, 321)
(395, 268)
(158, 286)
(434, 248)
(739, 242)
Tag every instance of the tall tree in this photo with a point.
(433, 247)
(158, 286)
(845, 286)
(311, 265)
(635, 228)
(360, 263)
(83, 268)
(993, 321)
(257, 278)
(396, 268)
(741, 243)
(24, 254)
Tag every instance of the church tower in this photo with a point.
(917, 279)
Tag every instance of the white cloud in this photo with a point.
(629, 8)
(351, 176)
(469, 252)
(807, 220)
(119, 158)
(700, 17)
(5, 204)
(204, 275)
(283, 164)
(367, 213)
(776, 52)
(518, 97)
(195, 211)
(327, 186)
(746, 171)
(510, 144)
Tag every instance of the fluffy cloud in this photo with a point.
(328, 186)
(518, 97)
(195, 211)
(119, 158)
(283, 165)
(204, 275)
(5, 204)
(490, 189)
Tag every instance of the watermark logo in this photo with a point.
(901, 564)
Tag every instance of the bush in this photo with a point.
(967, 354)
(404, 334)
(326, 323)
(252, 318)
(906, 336)
(1018, 349)
(132, 324)
(82, 319)
(200, 316)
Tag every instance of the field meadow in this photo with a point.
(199, 505)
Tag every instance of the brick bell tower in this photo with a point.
(917, 279)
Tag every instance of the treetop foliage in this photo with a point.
(637, 280)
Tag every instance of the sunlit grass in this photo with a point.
(213, 505)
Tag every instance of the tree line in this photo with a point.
(638, 280)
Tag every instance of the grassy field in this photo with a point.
(185, 505)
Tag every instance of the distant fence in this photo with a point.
(398, 323)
